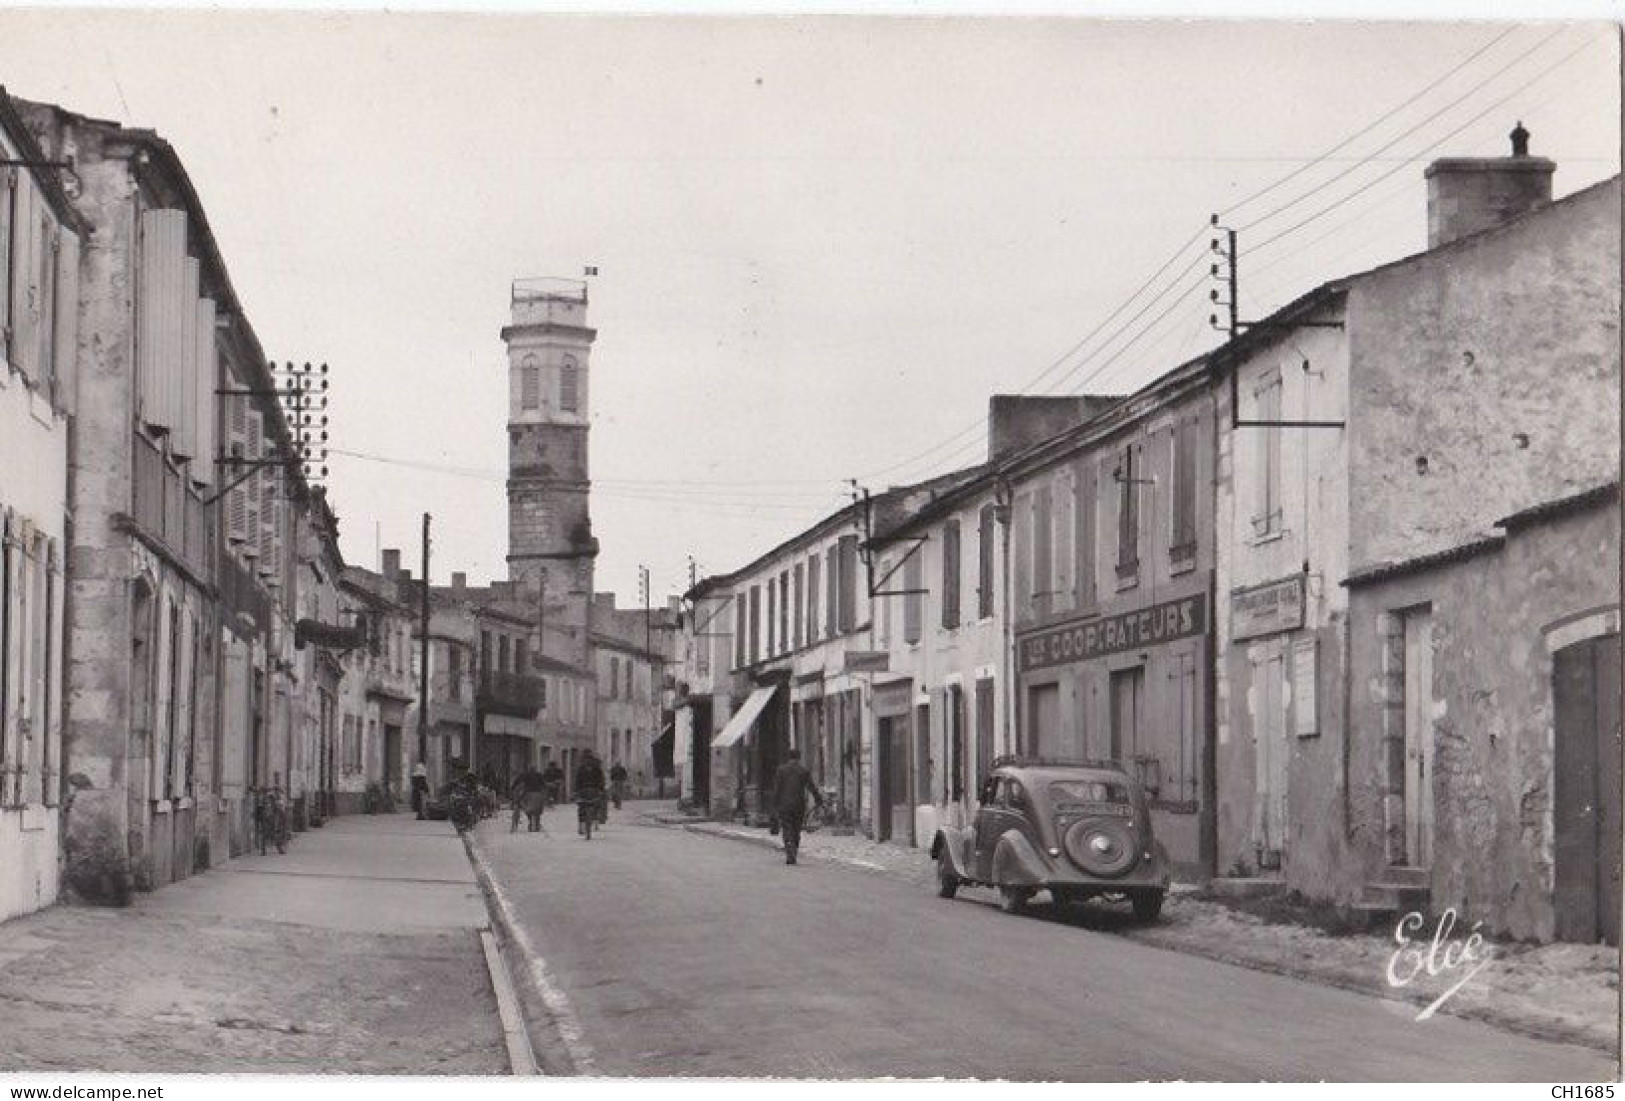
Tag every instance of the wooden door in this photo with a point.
(1419, 739)
(1270, 749)
(1043, 719)
(1586, 796)
(1126, 687)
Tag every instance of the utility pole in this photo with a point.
(423, 654)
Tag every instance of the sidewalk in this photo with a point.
(1566, 992)
(355, 952)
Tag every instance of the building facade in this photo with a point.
(1111, 566)
(1383, 419)
(40, 233)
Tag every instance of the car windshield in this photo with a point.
(1088, 791)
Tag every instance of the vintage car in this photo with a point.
(1077, 829)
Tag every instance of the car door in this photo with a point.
(990, 816)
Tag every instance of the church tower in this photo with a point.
(550, 542)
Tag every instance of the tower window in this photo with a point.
(530, 383)
(569, 400)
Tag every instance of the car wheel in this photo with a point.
(1013, 900)
(947, 881)
(1147, 905)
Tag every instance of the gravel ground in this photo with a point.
(1565, 992)
(125, 991)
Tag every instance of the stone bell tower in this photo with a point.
(550, 542)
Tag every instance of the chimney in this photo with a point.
(459, 580)
(1467, 195)
(1017, 421)
(392, 563)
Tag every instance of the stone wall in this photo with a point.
(1485, 378)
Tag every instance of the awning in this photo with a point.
(510, 726)
(745, 718)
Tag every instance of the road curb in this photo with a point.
(521, 1056)
(572, 1048)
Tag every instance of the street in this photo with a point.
(686, 955)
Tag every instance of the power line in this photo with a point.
(1378, 121)
(1324, 184)
(1373, 182)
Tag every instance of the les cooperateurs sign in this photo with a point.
(1113, 634)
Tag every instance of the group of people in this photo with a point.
(532, 790)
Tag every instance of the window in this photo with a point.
(913, 602)
(1267, 513)
(955, 718)
(1182, 524)
(784, 610)
(984, 563)
(1128, 514)
(812, 598)
(950, 574)
(984, 726)
(614, 676)
(519, 655)
(485, 653)
(848, 618)
(569, 398)
(1043, 550)
(832, 591)
(530, 384)
(1127, 689)
(502, 653)
(454, 672)
(755, 623)
(741, 632)
(800, 635)
(628, 678)
(772, 617)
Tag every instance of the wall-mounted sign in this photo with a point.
(1267, 609)
(866, 661)
(1112, 634)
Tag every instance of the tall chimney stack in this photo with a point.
(1467, 195)
(392, 563)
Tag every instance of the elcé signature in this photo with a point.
(1443, 954)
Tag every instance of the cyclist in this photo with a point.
(589, 792)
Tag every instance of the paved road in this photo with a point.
(688, 955)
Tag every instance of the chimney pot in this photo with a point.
(1520, 140)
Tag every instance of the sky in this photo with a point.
(822, 243)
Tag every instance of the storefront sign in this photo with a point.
(1175, 619)
(867, 661)
(1267, 609)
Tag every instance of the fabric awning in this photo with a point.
(745, 718)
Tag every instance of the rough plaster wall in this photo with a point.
(1454, 353)
(98, 676)
(1493, 712)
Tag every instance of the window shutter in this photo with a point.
(204, 384)
(950, 574)
(183, 441)
(8, 219)
(849, 583)
(984, 562)
(912, 602)
(252, 487)
(1043, 548)
(1128, 514)
(25, 289)
(66, 368)
(1063, 501)
(1022, 552)
(159, 305)
(832, 590)
(813, 562)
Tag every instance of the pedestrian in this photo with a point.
(527, 794)
(617, 783)
(589, 791)
(420, 788)
(791, 785)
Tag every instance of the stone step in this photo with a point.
(1397, 898)
(1404, 875)
(1248, 886)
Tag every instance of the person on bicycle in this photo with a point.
(527, 795)
(791, 785)
(589, 790)
(617, 783)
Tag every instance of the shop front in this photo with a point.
(1132, 687)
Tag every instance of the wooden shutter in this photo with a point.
(1063, 500)
(1022, 554)
(183, 441)
(204, 382)
(849, 583)
(159, 308)
(950, 574)
(25, 289)
(252, 485)
(8, 237)
(984, 562)
(66, 368)
(1128, 514)
(913, 602)
(1043, 557)
(813, 562)
(832, 591)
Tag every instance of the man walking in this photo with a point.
(527, 795)
(791, 785)
(420, 788)
(617, 783)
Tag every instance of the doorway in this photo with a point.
(1043, 719)
(1127, 687)
(1419, 738)
(896, 812)
(1270, 756)
(392, 760)
(1586, 795)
